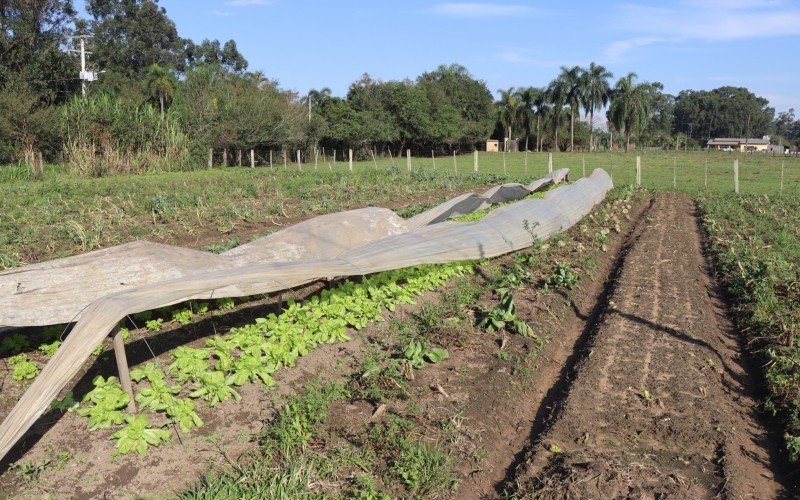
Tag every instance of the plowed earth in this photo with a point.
(661, 403)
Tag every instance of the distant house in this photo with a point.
(738, 144)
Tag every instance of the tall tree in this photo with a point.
(530, 102)
(160, 85)
(132, 35)
(595, 93)
(469, 96)
(557, 94)
(574, 78)
(629, 105)
(315, 98)
(32, 38)
(508, 110)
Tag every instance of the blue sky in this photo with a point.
(696, 44)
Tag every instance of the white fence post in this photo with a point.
(433, 157)
(504, 162)
(350, 159)
(583, 164)
(736, 175)
(252, 159)
(475, 161)
(408, 160)
(455, 163)
(638, 170)
(549, 162)
(705, 174)
(299, 163)
(782, 161)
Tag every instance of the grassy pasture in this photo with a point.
(62, 215)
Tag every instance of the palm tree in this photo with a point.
(160, 85)
(315, 97)
(508, 109)
(596, 91)
(540, 104)
(629, 105)
(573, 77)
(530, 99)
(557, 94)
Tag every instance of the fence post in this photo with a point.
(674, 173)
(210, 157)
(316, 158)
(549, 162)
(299, 163)
(504, 162)
(122, 366)
(583, 164)
(433, 157)
(334, 156)
(225, 157)
(475, 161)
(408, 160)
(350, 156)
(374, 161)
(638, 170)
(284, 159)
(252, 159)
(526, 162)
(736, 175)
(782, 161)
(455, 163)
(705, 174)
(239, 157)
(270, 158)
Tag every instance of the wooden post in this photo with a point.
(549, 163)
(782, 161)
(324, 158)
(316, 158)
(252, 159)
(475, 161)
(674, 174)
(736, 175)
(299, 162)
(334, 157)
(270, 158)
(408, 160)
(526, 162)
(433, 157)
(350, 159)
(122, 366)
(284, 159)
(210, 157)
(504, 162)
(583, 164)
(374, 161)
(638, 170)
(41, 168)
(239, 157)
(225, 157)
(455, 163)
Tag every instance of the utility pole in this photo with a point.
(85, 76)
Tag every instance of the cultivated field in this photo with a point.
(621, 358)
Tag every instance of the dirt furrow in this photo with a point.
(661, 404)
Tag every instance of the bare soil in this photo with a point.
(661, 403)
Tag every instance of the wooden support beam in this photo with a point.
(122, 367)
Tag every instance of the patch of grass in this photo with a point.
(756, 240)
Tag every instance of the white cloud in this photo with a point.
(706, 20)
(617, 50)
(220, 13)
(247, 3)
(512, 57)
(481, 10)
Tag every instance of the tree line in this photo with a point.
(162, 101)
